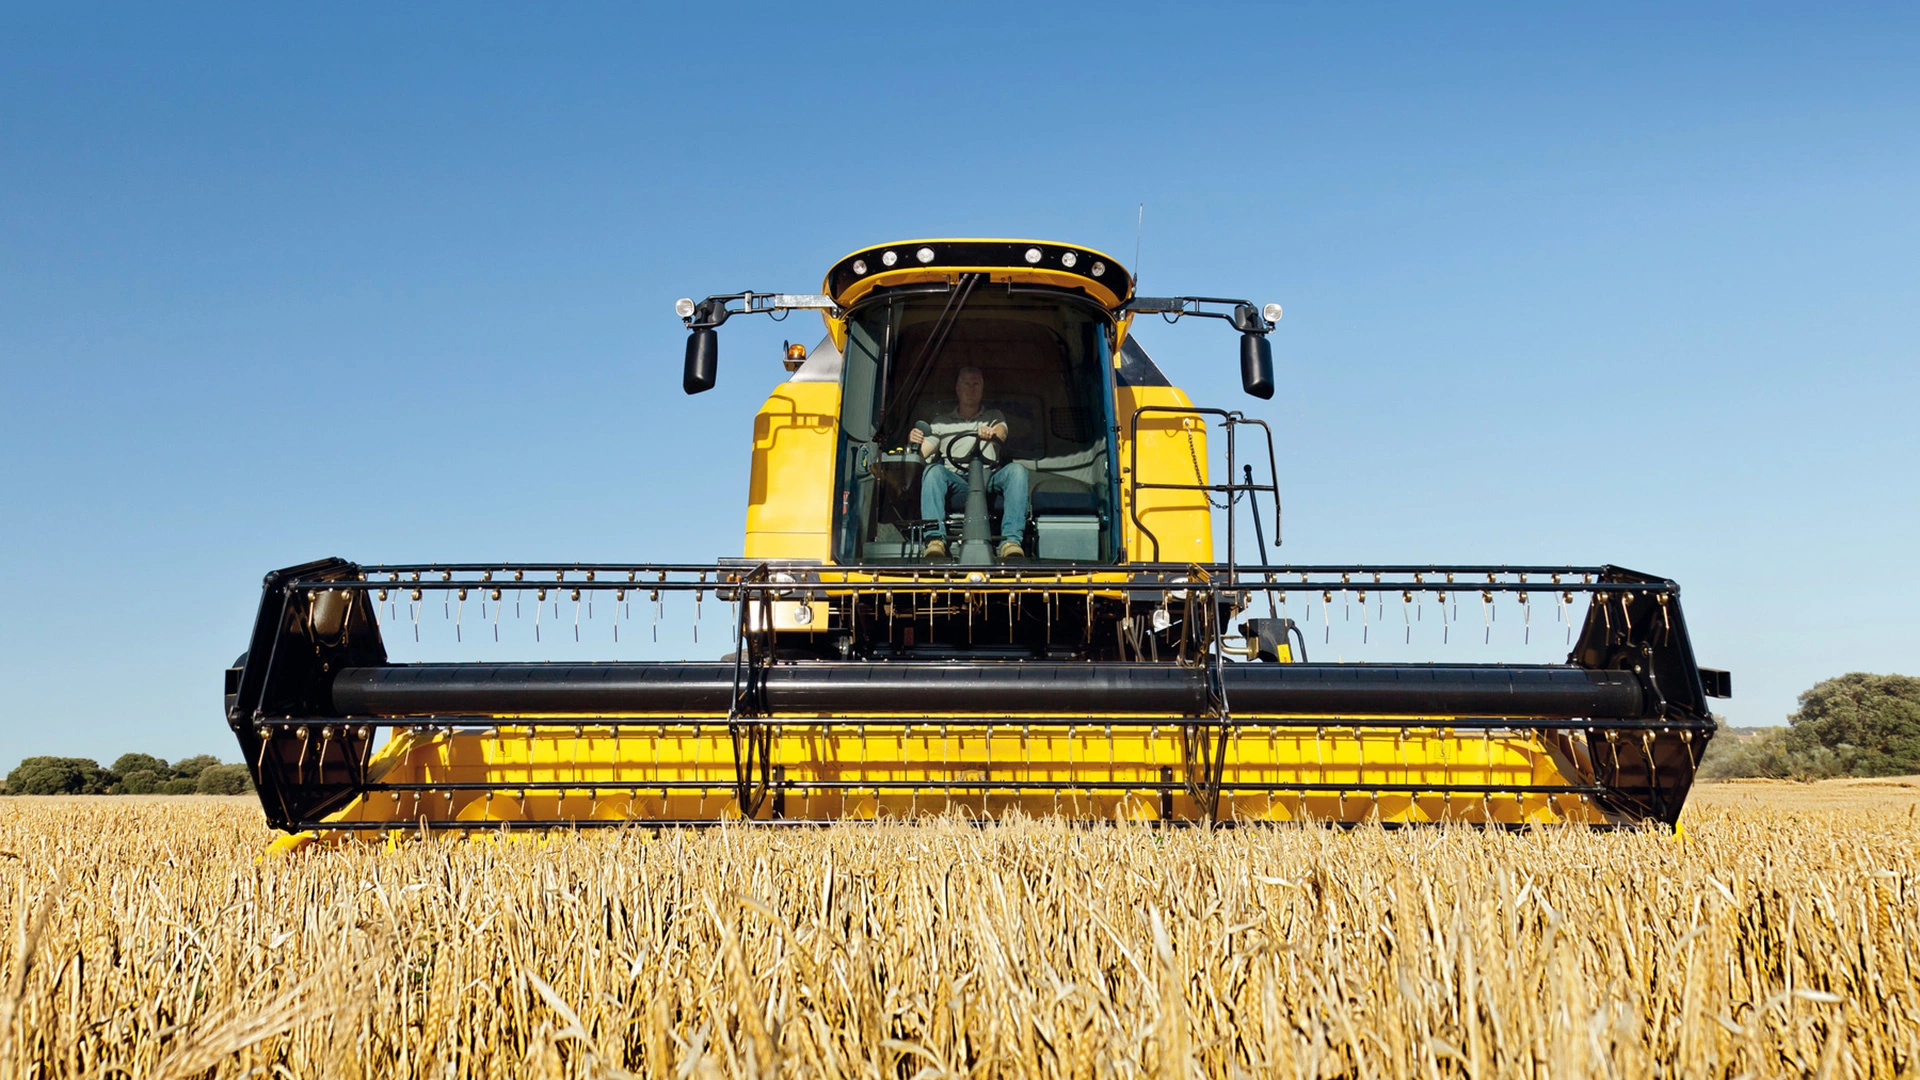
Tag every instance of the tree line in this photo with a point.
(1854, 725)
(130, 774)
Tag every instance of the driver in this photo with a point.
(1009, 478)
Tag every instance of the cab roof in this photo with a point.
(1039, 262)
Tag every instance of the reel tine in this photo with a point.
(698, 596)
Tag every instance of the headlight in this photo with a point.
(683, 307)
(1272, 312)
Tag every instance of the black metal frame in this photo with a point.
(309, 759)
(752, 740)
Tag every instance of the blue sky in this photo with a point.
(1628, 284)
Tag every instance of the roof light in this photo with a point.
(889, 258)
(1033, 255)
(1272, 312)
(859, 266)
(925, 255)
(1099, 268)
(683, 307)
(1068, 258)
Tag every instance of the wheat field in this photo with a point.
(1777, 937)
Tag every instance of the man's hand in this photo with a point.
(928, 447)
(992, 431)
(916, 437)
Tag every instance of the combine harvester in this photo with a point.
(980, 576)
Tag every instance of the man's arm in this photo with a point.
(918, 437)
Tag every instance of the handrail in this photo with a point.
(1229, 421)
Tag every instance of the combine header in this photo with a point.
(980, 576)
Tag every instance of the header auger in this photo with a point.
(979, 577)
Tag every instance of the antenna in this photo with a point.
(1139, 223)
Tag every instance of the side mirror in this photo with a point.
(703, 361)
(1256, 365)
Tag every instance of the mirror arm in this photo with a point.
(1254, 324)
(704, 319)
(1244, 316)
(717, 309)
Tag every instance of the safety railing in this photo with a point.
(1230, 423)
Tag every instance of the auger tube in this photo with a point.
(907, 688)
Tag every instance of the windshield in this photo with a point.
(976, 428)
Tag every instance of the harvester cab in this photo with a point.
(979, 576)
(979, 390)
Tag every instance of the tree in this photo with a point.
(222, 780)
(1869, 725)
(142, 781)
(127, 764)
(1751, 754)
(189, 768)
(59, 776)
(1853, 725)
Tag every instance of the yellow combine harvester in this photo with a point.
(980, 575)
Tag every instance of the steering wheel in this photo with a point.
(960, 450)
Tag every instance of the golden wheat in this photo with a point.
(149, 939)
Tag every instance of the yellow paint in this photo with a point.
(1172, 450)
(287, 844)
(626, 769)
(915, 275)
(790, 497)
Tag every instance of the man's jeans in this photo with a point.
(1010, 480)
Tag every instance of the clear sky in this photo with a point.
(1619, 283)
